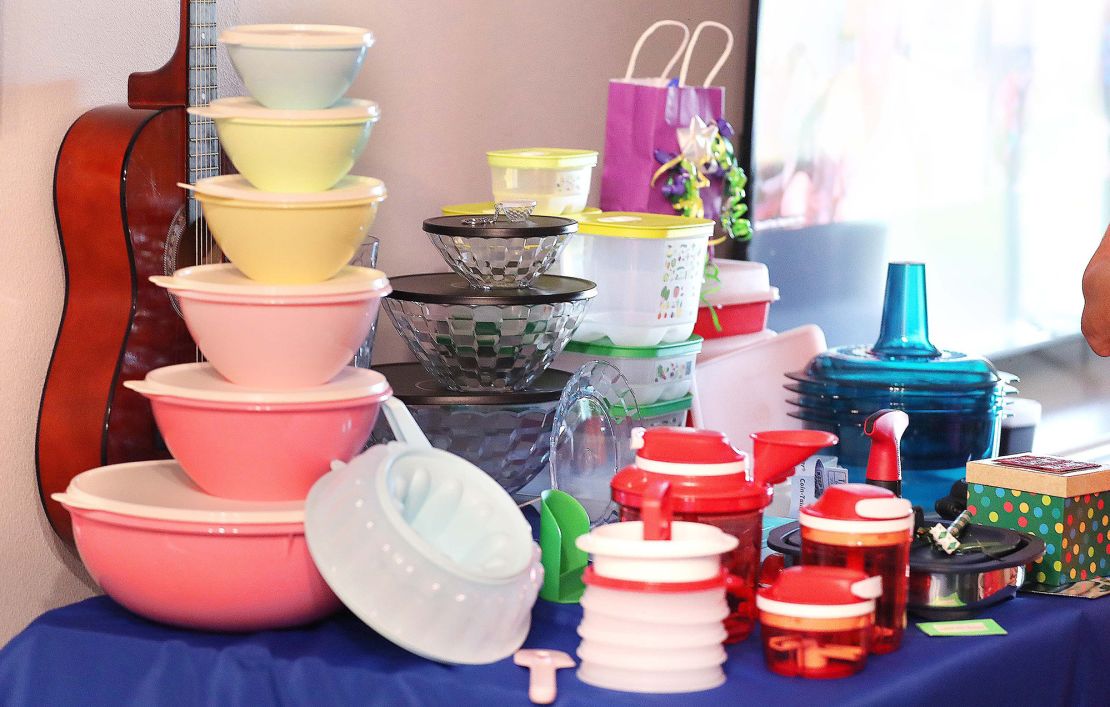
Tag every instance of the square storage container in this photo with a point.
(655, 373)
(648, 269)
(557, 179)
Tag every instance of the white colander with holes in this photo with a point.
(425, 548)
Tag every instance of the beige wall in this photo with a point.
(454, 78)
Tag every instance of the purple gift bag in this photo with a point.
(645, 115)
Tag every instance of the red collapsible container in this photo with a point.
(709, 484)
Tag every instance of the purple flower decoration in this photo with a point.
(725, 129)
(663, 157)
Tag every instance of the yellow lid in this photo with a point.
(625, 224)
(486, 207)
(542, 158)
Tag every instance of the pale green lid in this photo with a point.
(542, 158)
(626, 224)
(605, 347)
(663, 407)
(486, 207)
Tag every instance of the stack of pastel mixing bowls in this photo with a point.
(955, 401)
(215, 538)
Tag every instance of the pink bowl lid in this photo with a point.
(161, 490)
(226, 279)
(200, 381)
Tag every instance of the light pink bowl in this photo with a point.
(278, 344)
(279, 337)
(217, 578)
(259, 452)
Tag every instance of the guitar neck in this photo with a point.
(204, 149)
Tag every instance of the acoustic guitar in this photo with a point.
(122, 218)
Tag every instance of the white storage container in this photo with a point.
(655, 373)
(557, 179)
(648, 269)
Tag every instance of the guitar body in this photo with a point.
(119, 210)
(115, 198)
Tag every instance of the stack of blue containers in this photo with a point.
(955, 401)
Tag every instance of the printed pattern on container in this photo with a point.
(684, 267)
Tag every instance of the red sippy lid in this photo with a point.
(857, 508)
(685, 451)
(707, 474)
(818, 592)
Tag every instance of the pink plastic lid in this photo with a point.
(200, 381)
(820, 592)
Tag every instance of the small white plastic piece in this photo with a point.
(870, 588)
(542, 664)
(884, 508)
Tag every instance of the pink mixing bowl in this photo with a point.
(248, 574)
(277, 336)
(241, 443)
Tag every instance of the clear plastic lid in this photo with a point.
(590, 440)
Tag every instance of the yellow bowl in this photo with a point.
(292, 239)
(292, 151)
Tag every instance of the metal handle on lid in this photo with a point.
(504, 211)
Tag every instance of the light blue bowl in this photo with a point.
(297, 79)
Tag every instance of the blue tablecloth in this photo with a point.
(94, 652)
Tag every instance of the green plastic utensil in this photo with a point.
(562, 521)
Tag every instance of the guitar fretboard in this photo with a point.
(204, 149)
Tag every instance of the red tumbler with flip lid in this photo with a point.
(710, 483)
(868, 529)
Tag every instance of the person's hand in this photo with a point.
(1096, 299)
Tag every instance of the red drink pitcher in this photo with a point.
(868, 529)
(710, 483)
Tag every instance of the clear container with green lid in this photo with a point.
(655, 373)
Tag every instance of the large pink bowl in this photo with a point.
(226, 578)
(257, 450)
(277, 336)
(160, 547)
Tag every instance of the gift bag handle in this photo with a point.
(690, 52)
(643, 38)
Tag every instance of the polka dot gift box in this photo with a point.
(1064, 502)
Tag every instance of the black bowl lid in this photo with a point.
(413, 385)
(449, 288)
(483, 226)
(1013, 549)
